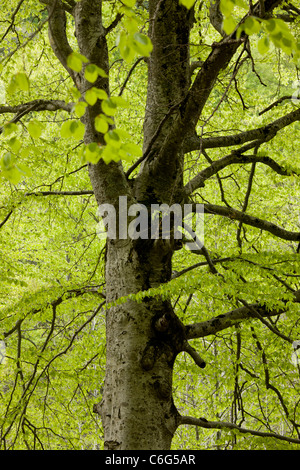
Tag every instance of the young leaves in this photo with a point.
(130, 41)
(92, 72)
(75, 61)
(272, 30)
(34, 128)
(131, 44)
(11, 170)
(72, 128)
(187, 3)
(19, 81)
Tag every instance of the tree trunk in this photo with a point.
(144, 338)
(142, 342)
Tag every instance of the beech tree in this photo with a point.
(175, 102)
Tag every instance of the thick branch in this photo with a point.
(203, 423)
(215, 16)
(262, 133)
(196, 98)
(37, 105)
(194, 355)
(61, 193)
(226, 320)
(58, 35)
(251, 220)
(234, 158)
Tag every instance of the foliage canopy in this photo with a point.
(239, 298)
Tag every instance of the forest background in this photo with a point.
(238, 296)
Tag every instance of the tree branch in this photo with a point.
(6, 219)
(12, 19)
(129, 75)
(58, 35)
(276, 103)
(61, 193)
(194, 355)
(203, 423)
(234, 158)
(114, 23)
(37, 105)
(261, 133)
(251, 220)
(226, 320)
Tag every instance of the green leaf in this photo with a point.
(92, 152)
(101, 124)
(7, 161)
(75, 93)
(10, 128)
(129, 3)
(73, 129)
(131, 25)
(91, 96)
(11, 171)
(12, 175)
(80, 108)
(113, 138)
(19, 81)
(226, 7)
(142, 44)
(23, 169)
(75, 61)
(91, 73)
(101, 94)
(78, 130)
(109, 107)
(128, 151)
(229, 25)
(34, 129)
(14, 144)
(270, 25)
(187, 3)
(101, 72)
(23, 81)
(263, 45)
(251, 25)
(110, 153)
(65, 130)
(124, 43)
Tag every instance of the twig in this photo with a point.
(12, 20)
(129, 74)
(276, 103)
(153, 139)
(6, 219)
